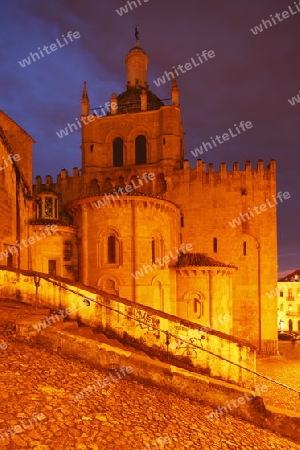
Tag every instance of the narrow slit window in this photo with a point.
(195, 305)
(153, 250)
(215, 245)
(111, 249)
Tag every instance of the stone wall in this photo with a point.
(15, 191)
(189, 345)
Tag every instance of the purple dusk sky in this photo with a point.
(251, 78)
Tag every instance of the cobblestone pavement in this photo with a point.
(286, 371)
(124, 415)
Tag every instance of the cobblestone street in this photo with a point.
(286, 372)
(123, 415)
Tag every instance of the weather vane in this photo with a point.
(137, 33)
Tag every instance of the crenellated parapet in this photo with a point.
(209, 175)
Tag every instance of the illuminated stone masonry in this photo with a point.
(103, 246)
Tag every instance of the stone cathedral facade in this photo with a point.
(136, 221)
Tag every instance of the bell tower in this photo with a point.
(136, 128)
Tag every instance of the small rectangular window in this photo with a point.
(281, 293)
(245, 248)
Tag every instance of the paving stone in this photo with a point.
(126, 416)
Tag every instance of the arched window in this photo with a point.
(215, 244)
(111, 249)
(121, 182)
(47, 206)
(118, 152)
(198, 307)
(94, 187)
(161, 184)
(194, 305)
(157, 249)
(107, 185)
(140, 150)
(110, 287)
(109, 284)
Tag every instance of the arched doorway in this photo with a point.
(290, 325)
(109, 284)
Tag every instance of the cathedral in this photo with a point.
(138, 222)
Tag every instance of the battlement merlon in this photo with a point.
(201, 172)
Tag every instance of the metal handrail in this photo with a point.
(168, 334)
